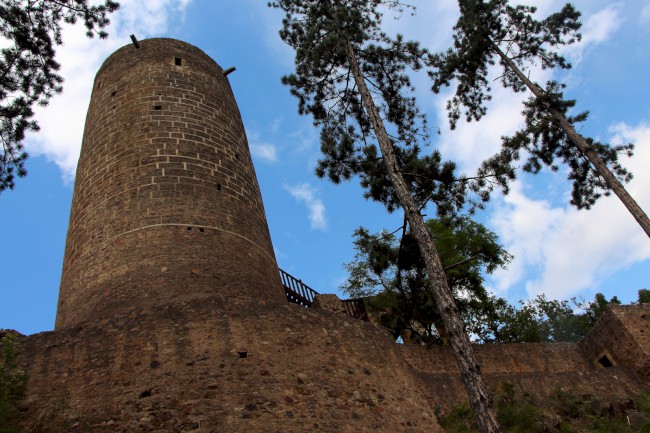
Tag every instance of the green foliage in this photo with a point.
(538, 320)
(321, 32)
(12, 385)
(644, 296)
(388, 271)
(544, 140)
(28, 69)
(482, 26)
(392, 273)
(516, 415)
(493, 30)
(560, 412)
(459, 419)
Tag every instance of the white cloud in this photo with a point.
(264, 151)
(62, 121)
(597, 28)
(420, 27)
(261, 149)
(277, 124)
(523, 226)
(644, 17)
(307, 194)
(600, 26)
(574, 249)
(471, 143)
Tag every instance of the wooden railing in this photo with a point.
(356, 308)
(301, 294)
(297, 291)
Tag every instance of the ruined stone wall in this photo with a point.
(166, 203)
(541, 369)
(216, 365)
(171, 314)
(621, 336)
(500, 358)
(532, 368)
(180, 368)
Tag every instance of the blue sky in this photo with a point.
(558, 250)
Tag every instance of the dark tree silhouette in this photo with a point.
(28, 68)
(351, 78)
(491, 31)
(389, 273)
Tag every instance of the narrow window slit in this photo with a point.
(157, 107)
(218, 187)
(178, 61)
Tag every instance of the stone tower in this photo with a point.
(166, 205)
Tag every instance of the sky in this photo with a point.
(559, 251)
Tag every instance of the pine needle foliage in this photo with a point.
(29, 70)
(494, 32)
(326, 90)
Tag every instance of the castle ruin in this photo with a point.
(172, 316)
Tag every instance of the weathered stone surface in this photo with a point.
(166, 203)
(179, 367)
(330, 303)
(622, 336)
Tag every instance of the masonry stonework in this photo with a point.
(166, 204)
(622, 337)
(171, 314)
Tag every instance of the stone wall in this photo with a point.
(622, 336)
(211, 366)
(532, 368)
(219, 364)
(541, 369)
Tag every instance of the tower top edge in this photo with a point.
(157, 47)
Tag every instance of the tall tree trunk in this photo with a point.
(479, 396)
(585, 148)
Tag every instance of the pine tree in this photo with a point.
(351, 78)
(28, 68)
(491, 31)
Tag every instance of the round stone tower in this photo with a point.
(166, 205)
